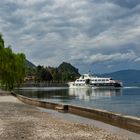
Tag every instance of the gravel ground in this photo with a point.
(21, 121)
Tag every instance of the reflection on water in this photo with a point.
(89, 94)
(126, 100)
(44, 93)
(69, 94)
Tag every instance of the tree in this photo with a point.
(38, 73)
(1, 41)
(1, 54)
(20, 67)
(12, 66)
(43, 74)
(56, 75)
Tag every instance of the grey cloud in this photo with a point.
(96, 58)
(126, 3)
(123, 3)
(81, 32)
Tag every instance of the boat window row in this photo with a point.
(100, 80)
(80, 80)
(93, 80)
(78, 84)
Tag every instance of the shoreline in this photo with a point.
(23, 121)
(130, 123)
(104, 126)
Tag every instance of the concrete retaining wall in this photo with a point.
(126, 122)
(30, 101)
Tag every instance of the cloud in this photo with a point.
(24, 2)
(96, 58)
(126, 3)
(137, 59)
(81, 32)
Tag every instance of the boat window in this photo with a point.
(99, 79)
(95, 79)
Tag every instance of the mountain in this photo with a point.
(68, 67)
(29, 64)
(128, 77)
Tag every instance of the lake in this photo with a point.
(125, 100)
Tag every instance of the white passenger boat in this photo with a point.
(91, 81)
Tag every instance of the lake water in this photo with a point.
(125, 101)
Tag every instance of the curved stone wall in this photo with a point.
(127, 122)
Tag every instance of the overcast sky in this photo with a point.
(96, 35)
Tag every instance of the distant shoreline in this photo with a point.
(45, 84)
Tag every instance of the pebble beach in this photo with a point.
(21, 121)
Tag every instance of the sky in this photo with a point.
(93, 35)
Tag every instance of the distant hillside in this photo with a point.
(68, 67)
(64, 72)
(29, 64)
(128, 77)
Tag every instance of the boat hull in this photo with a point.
(114, 85)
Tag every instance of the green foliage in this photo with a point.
(1, 42)
(30, 71)
(43, 74)
(65, 72)
(12, 67)
(56, 75)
